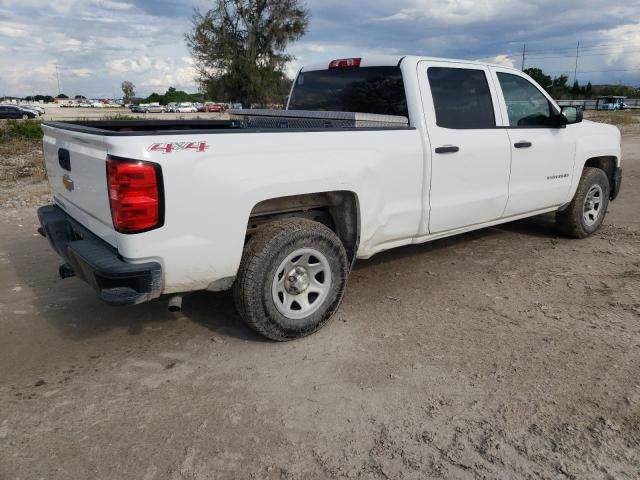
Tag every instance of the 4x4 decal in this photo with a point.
(178, 146)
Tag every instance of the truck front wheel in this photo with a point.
(587, 210)
(292, 278)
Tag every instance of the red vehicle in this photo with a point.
(214, 107)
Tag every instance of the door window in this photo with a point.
(462, 98)
(526, 105)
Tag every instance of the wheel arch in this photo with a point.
(339, 210)
(608, 164)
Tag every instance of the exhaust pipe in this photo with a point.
(175, 304)
(66, 271)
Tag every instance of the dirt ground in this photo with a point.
(511, 352)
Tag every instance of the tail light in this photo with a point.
(345, 63)
(135, 195)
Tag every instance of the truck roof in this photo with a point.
(394, 60)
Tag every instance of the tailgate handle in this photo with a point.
(64, 159)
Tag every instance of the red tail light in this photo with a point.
(345, 63)
(135, 195)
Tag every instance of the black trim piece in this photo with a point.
(85, 127)
(616, 183)
(160, 181)
(64, 159)
(97, 263)
(448, 149)
(507, 127)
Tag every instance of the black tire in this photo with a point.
(264, 254)
(571, 221)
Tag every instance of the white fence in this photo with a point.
(591, 104)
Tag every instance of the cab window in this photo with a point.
(462, 98)
(526, 105)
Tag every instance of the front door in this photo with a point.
(543, 155)
(470, 156)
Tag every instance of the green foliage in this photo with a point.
(173, 96)
(22, 129)
(62, 95)
(40, 98)
(240, 48)
(559, 88)
(120, 116)
(128, 91)
(539, 76)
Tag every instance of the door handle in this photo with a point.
(64, 159)
(523, 144)
(448, 149)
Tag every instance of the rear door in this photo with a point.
(470, 155)
(543, 155)
(77, 171)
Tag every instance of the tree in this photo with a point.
(62, 95)
(575, 90)
(589, 90)
(239, 47)
(539, 76)
(128, 91)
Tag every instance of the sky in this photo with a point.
(97, 44)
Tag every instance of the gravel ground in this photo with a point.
(511, 352)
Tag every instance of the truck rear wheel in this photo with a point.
(292, 279)
(587, 210)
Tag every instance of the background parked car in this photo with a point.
(136, 109)
(155, 109)
(30, 109)
(11, 111)
(186, 108)
(37, 108)
(214, 107)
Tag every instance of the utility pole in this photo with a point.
(524, 54)
(575, 72)
(58, 78)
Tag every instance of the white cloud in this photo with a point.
(454, 12)
(15, 31)
(503, 60)
(99, 43)
(111, 5)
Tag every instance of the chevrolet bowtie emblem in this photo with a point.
(67, 182)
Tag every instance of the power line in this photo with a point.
(585, 47)
(575, 72)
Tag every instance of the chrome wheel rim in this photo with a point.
(593, 203)
(301, 283)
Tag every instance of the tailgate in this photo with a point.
(76, 167)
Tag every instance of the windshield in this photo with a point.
(377, 90)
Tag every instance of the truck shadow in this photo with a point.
(74, 310)
(541, 227)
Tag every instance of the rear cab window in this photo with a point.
(462, 98)
(377, 90)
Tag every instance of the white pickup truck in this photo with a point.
(279, 205)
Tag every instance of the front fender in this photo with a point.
(595, 140)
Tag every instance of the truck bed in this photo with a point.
(241, 121)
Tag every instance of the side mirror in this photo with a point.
(572, 114)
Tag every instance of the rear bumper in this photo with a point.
(616, 182)
(98, 263)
